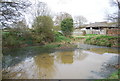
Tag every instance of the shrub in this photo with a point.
(59, 37)
(67, 26)
(43, 26)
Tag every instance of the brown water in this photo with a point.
(74, 64)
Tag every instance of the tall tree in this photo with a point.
(12, 11)
(43, 28)
(118, 3)
(67, 26)
(117, 14)
(79, 21)
(61, 16)
(42, 9)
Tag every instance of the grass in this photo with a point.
(90, 34)
(59, 37)
(103, 40)
(114, 75)
(52, 45)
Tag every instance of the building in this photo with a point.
(99, 28)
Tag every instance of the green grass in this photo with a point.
(90, 34)
(5, 32)
(59, 37)
(62, 38)
(114, 75)
(103, 40)
(51, 45)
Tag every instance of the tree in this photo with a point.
(112, 17)
(67, 26)
(41, 9)
(43, 28)
(80, 21)
(118, 3)
(59, 17)
(12, 11)
(116, 15)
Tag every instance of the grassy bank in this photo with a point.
(103, 40)
(115, 75)
(13, 41)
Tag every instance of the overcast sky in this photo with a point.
(93, 10)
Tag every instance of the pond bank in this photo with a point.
(103, 40)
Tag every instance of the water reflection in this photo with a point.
(60, 64)
(79, 55)
(65, 57)
(45, 65)
(103, 50)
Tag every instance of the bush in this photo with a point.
(67, 26)
(59, 37)
(43, 26)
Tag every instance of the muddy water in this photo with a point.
(68, 64)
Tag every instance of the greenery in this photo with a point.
(59, 37)
(90, 34)
(67, 26)
(43, 29)
(103, 40)
(16, 38)
(114, 75)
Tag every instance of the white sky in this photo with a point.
(92, 10)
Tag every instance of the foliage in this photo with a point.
(67, 26)
(59, 37)
(90, 34)
(103, 40)
(114, 75)
(59, 18)
(43, 26)
(15, 37)
(56, 28)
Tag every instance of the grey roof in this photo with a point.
(101, 24)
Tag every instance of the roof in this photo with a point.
(102, 24)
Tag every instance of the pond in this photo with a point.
(85, 62)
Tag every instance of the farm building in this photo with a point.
(103, 28)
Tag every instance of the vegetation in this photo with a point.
(115, 75)
(67, 26)
(40, 34)
(16, 37)
(59, 37)
(43, 29)
(103, 40)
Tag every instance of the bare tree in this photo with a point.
(59, 17)
(42, 9)
(12, 11)
(113, 16)
(118, 2)
(80, 20)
